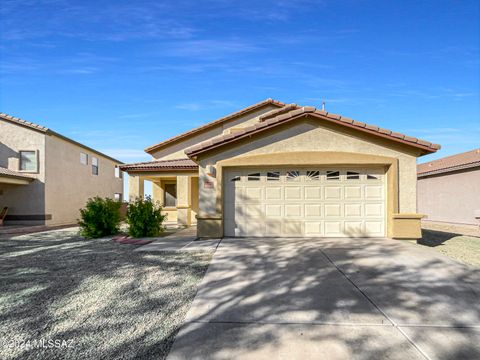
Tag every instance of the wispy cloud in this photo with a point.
(209, 48)
(127, 154)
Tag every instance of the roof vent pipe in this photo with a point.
(323, 105)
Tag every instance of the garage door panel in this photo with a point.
(333, 228)
(253, 193)
(273, 193)
(293, 193)
(333, 193)
(373, 192)
(313, 193)
(313, 210)
(353, 210)
(273, 210)
(333, 210)
(293, 210)
(374, 209)
(335, 203)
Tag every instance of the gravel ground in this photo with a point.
(97, 299)
(465, 249)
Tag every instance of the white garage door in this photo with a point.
(331, 202)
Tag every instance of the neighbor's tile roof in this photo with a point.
(243, 111)
(466, 160)
(15, 174)
(277, 117)
(161, 165)
(22, 122)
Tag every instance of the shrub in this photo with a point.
(100, 217)
(144, 218)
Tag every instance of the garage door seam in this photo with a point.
(376, 306)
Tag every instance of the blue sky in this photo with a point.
(122, 75)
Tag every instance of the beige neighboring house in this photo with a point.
(45, 177)
(449, 192)
(275, 169)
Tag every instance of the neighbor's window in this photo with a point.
(83, 158)
(94, 166)
(170, 195)
(28, 161)
(352, 175)
(273, 176)
(118, 172)
(118, 196)
(333, 175)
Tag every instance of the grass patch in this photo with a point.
(107, 300)
(463, 248)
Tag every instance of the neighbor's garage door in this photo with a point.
(310, 202)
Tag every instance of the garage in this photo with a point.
(305, 202)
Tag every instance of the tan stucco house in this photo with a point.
(449, 192)
(45, 177)
(275, 169)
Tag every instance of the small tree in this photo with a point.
(100, 217)
(144, 218)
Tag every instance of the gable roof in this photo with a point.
(211, 124)
(283, 117)
(161, 165)
(466, 160)
(47, 131)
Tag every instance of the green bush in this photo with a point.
(100, 217)
(145, 218)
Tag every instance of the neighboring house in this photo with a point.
(45, 177)
(274, 169)
(449, 189)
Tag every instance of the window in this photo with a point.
(313, 175)
(253, 177)
(83, 158)
(235, 178)
(273, 176)
(170, 199)
(118, 172)
(333, 175)
(352, 175)
(118, 196)
(293, 175)
(28, 161)
(94, 166)
(372, 177)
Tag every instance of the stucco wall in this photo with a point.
(69, 183)
(450, 197)
(22, 199)
(311, 135)
(177, 150)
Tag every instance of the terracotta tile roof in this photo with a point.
(282, 117)
(161, 165)
(22, 122)
(15, 174)
(466, 160)
(243, 111)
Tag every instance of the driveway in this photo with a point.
(332, 299)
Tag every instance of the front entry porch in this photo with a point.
(174, 187)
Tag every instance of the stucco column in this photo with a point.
(135, 187)
(158, 192)
(184, 199)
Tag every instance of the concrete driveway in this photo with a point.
(332, 299)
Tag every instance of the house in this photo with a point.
(449, 192)
(276, 169)
(45, 177)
